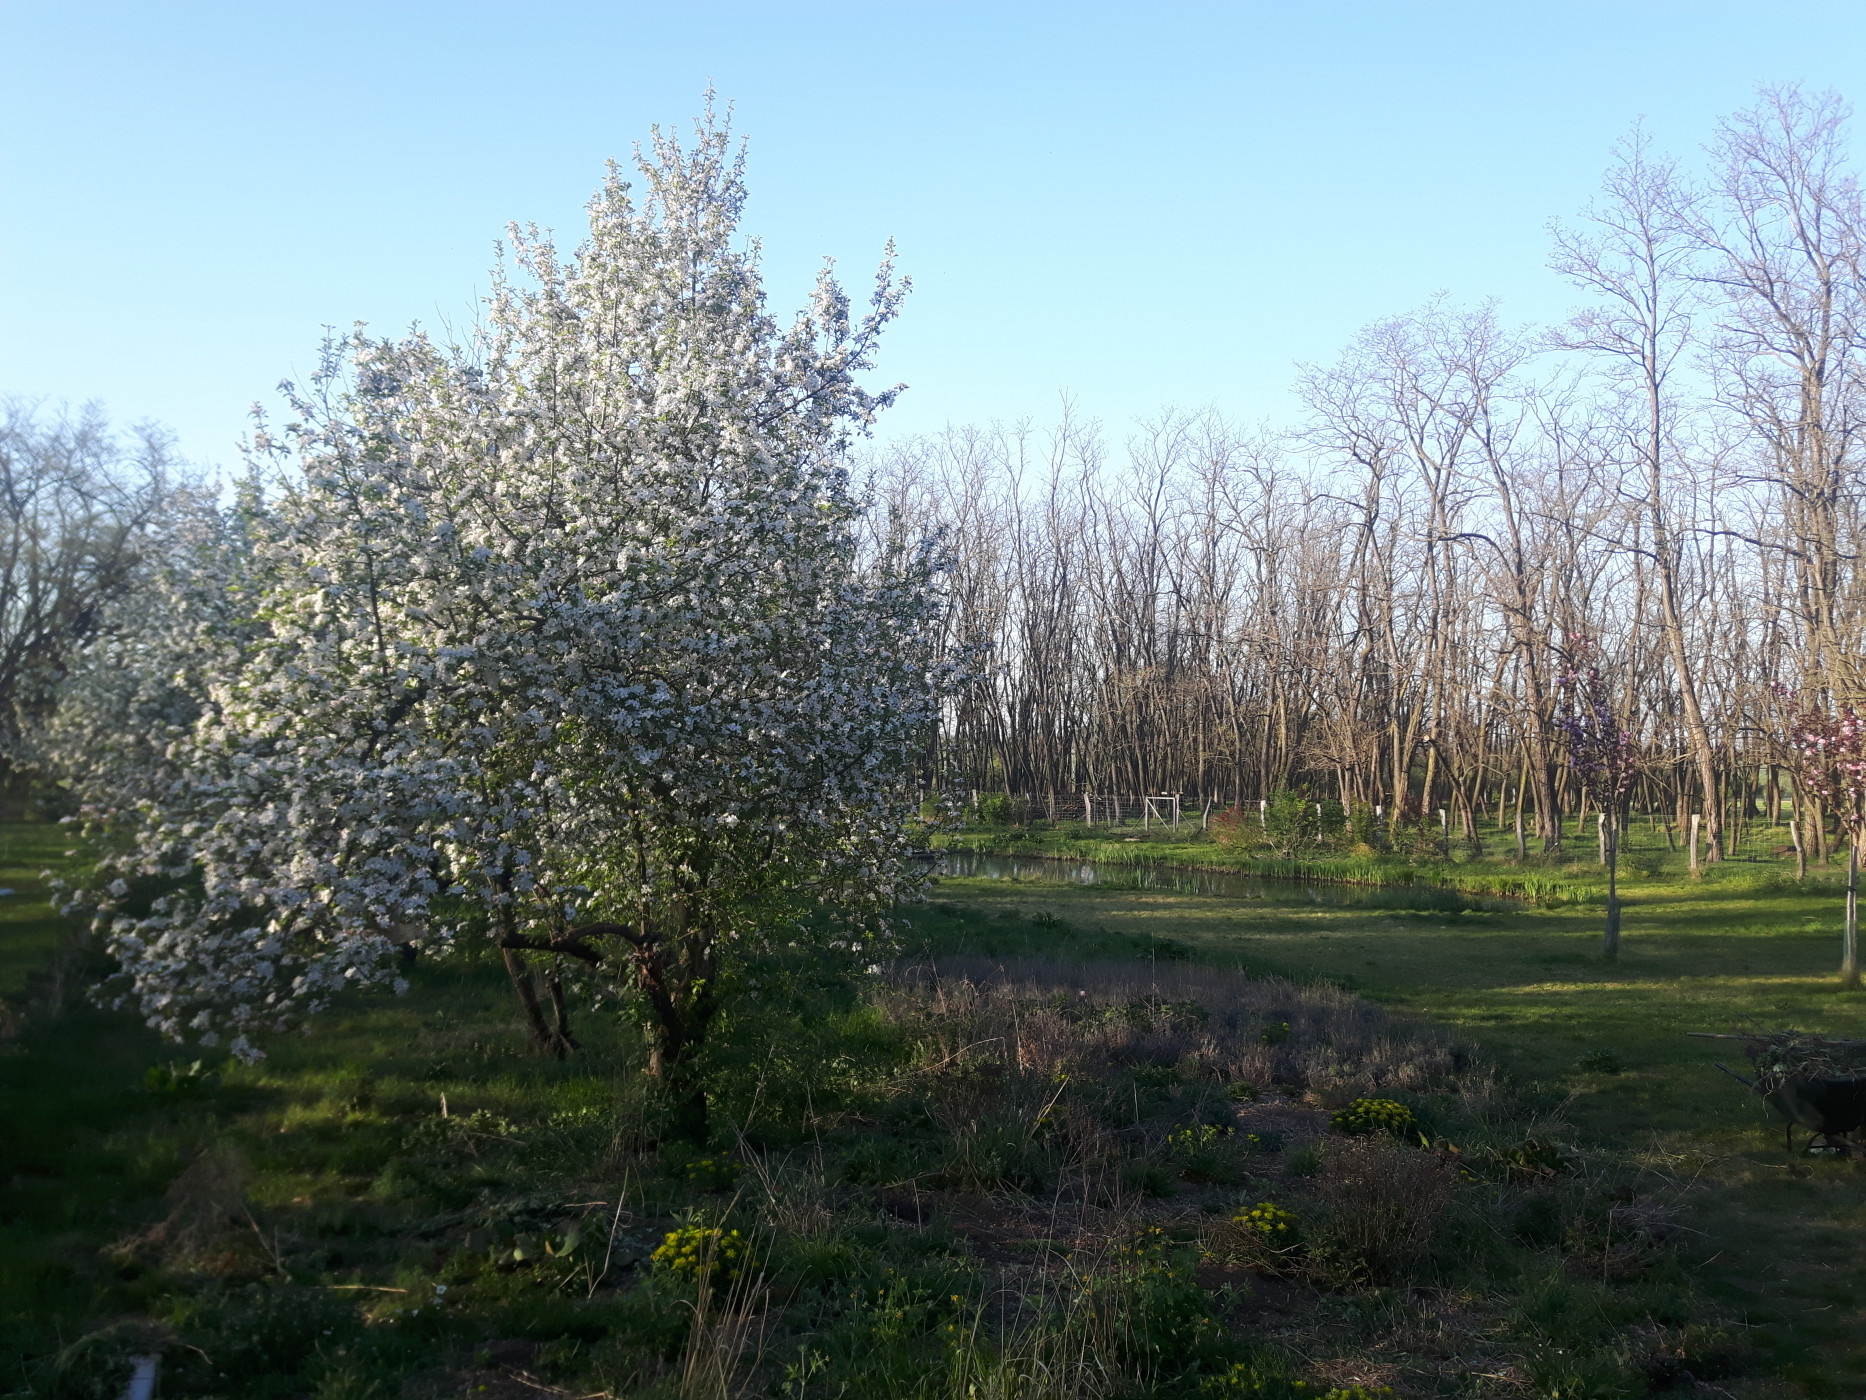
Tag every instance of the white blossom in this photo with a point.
(561, 637)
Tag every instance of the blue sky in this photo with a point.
(1139, 205)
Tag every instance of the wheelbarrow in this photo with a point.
(1832, 1110)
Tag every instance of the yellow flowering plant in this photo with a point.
(701, 1251)
(1270, 1222)
(1252, 1382)
(1367, 1117)
(713, 1173)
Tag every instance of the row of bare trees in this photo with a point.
(1373, 604)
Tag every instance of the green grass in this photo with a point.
(1572, 873)
(29, 931)
(1743, 945)
(354, 1186)
(317, 1133)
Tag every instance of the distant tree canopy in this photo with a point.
(1372, 605)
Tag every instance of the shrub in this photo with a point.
(992, 1153)
(1384, 1202)
(255, 1335)
(1256, 1381)
(1565, 1377)
(1367, 1117)
(1231, 828)
(1363, 827)
(996, 808)
(1153, 1313)
(1289, 822)
(1147, 1178)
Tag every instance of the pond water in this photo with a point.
(969, 865)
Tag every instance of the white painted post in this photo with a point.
(142, 1378)
(1696, 818)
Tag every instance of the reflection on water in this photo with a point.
(969, 865)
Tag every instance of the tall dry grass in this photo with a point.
(1032, 1015)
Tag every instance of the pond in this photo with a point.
(969, 865)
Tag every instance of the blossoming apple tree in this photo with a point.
(562, 637)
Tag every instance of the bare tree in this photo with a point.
(76, 504)
(1635, 255)
(1783, 239)
(1372, 606)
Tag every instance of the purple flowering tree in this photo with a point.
(1830, 752)
(1603, 756)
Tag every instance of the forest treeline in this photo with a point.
(1374, 605)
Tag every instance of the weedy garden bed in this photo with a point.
(966, 1178)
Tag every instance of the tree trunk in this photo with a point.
(1610, 947)
(544, 1039)
(1850, 939)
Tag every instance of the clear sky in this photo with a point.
(1138, 204)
